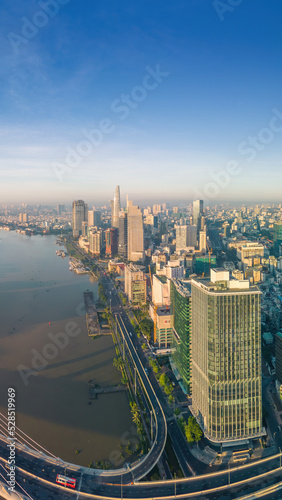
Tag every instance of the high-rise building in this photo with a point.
(186, 236)
(157, 209)
(277, 234)
(135, 284)
(94, 218)
(180, 299)
(79, 214)
(116, 208)
(203, 241)
(164, 331)
(111, 237)
(122, 236)
(181, 237)
(135, 233)
(226, 357)
(60, 209)
(23, 217)
(198, 210)
(95, 241)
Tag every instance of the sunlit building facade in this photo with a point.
(226, 357)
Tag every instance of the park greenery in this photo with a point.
(166, 384)
(192, 431)
(102, 293)
(155, 366)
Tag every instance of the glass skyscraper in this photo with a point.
(180, 296)
(226, 357)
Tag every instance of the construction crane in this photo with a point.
(155, 308)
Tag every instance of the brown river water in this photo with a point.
(49, 365)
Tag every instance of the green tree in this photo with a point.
(118, 363)
(188, 434)
(135, 414)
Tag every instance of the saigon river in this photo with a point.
(37, 288)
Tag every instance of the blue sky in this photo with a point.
(220, 73)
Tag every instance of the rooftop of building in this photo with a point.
(183, 287)
(161, 278)
(220, 281)
(164, 311)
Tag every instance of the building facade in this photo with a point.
(135, 285)
(226, 357)
(122, 236)
(79, 215)
(135, 233)
(95, 241)
(111, 237)
(116, 208)
(164, 331)
(180, 299)
(198, 210)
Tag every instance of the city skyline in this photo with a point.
(200, 97)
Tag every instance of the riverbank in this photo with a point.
(52, 406)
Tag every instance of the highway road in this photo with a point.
(37, 475)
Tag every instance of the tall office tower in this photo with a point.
(135, 233)
(181, 237)
(135, 284)
(91, 218)
(111, 236)
(23, 217)
(198, 210)
(226, 229)
(95, 241)
(191, 236)
(226, 357)
(94, 218)
(60, 209)
(79, 214)
(180, 298)
(156, 209)
(203, 241)
(186, 236)
(122, 236)
(277, 234)
(116, 208)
